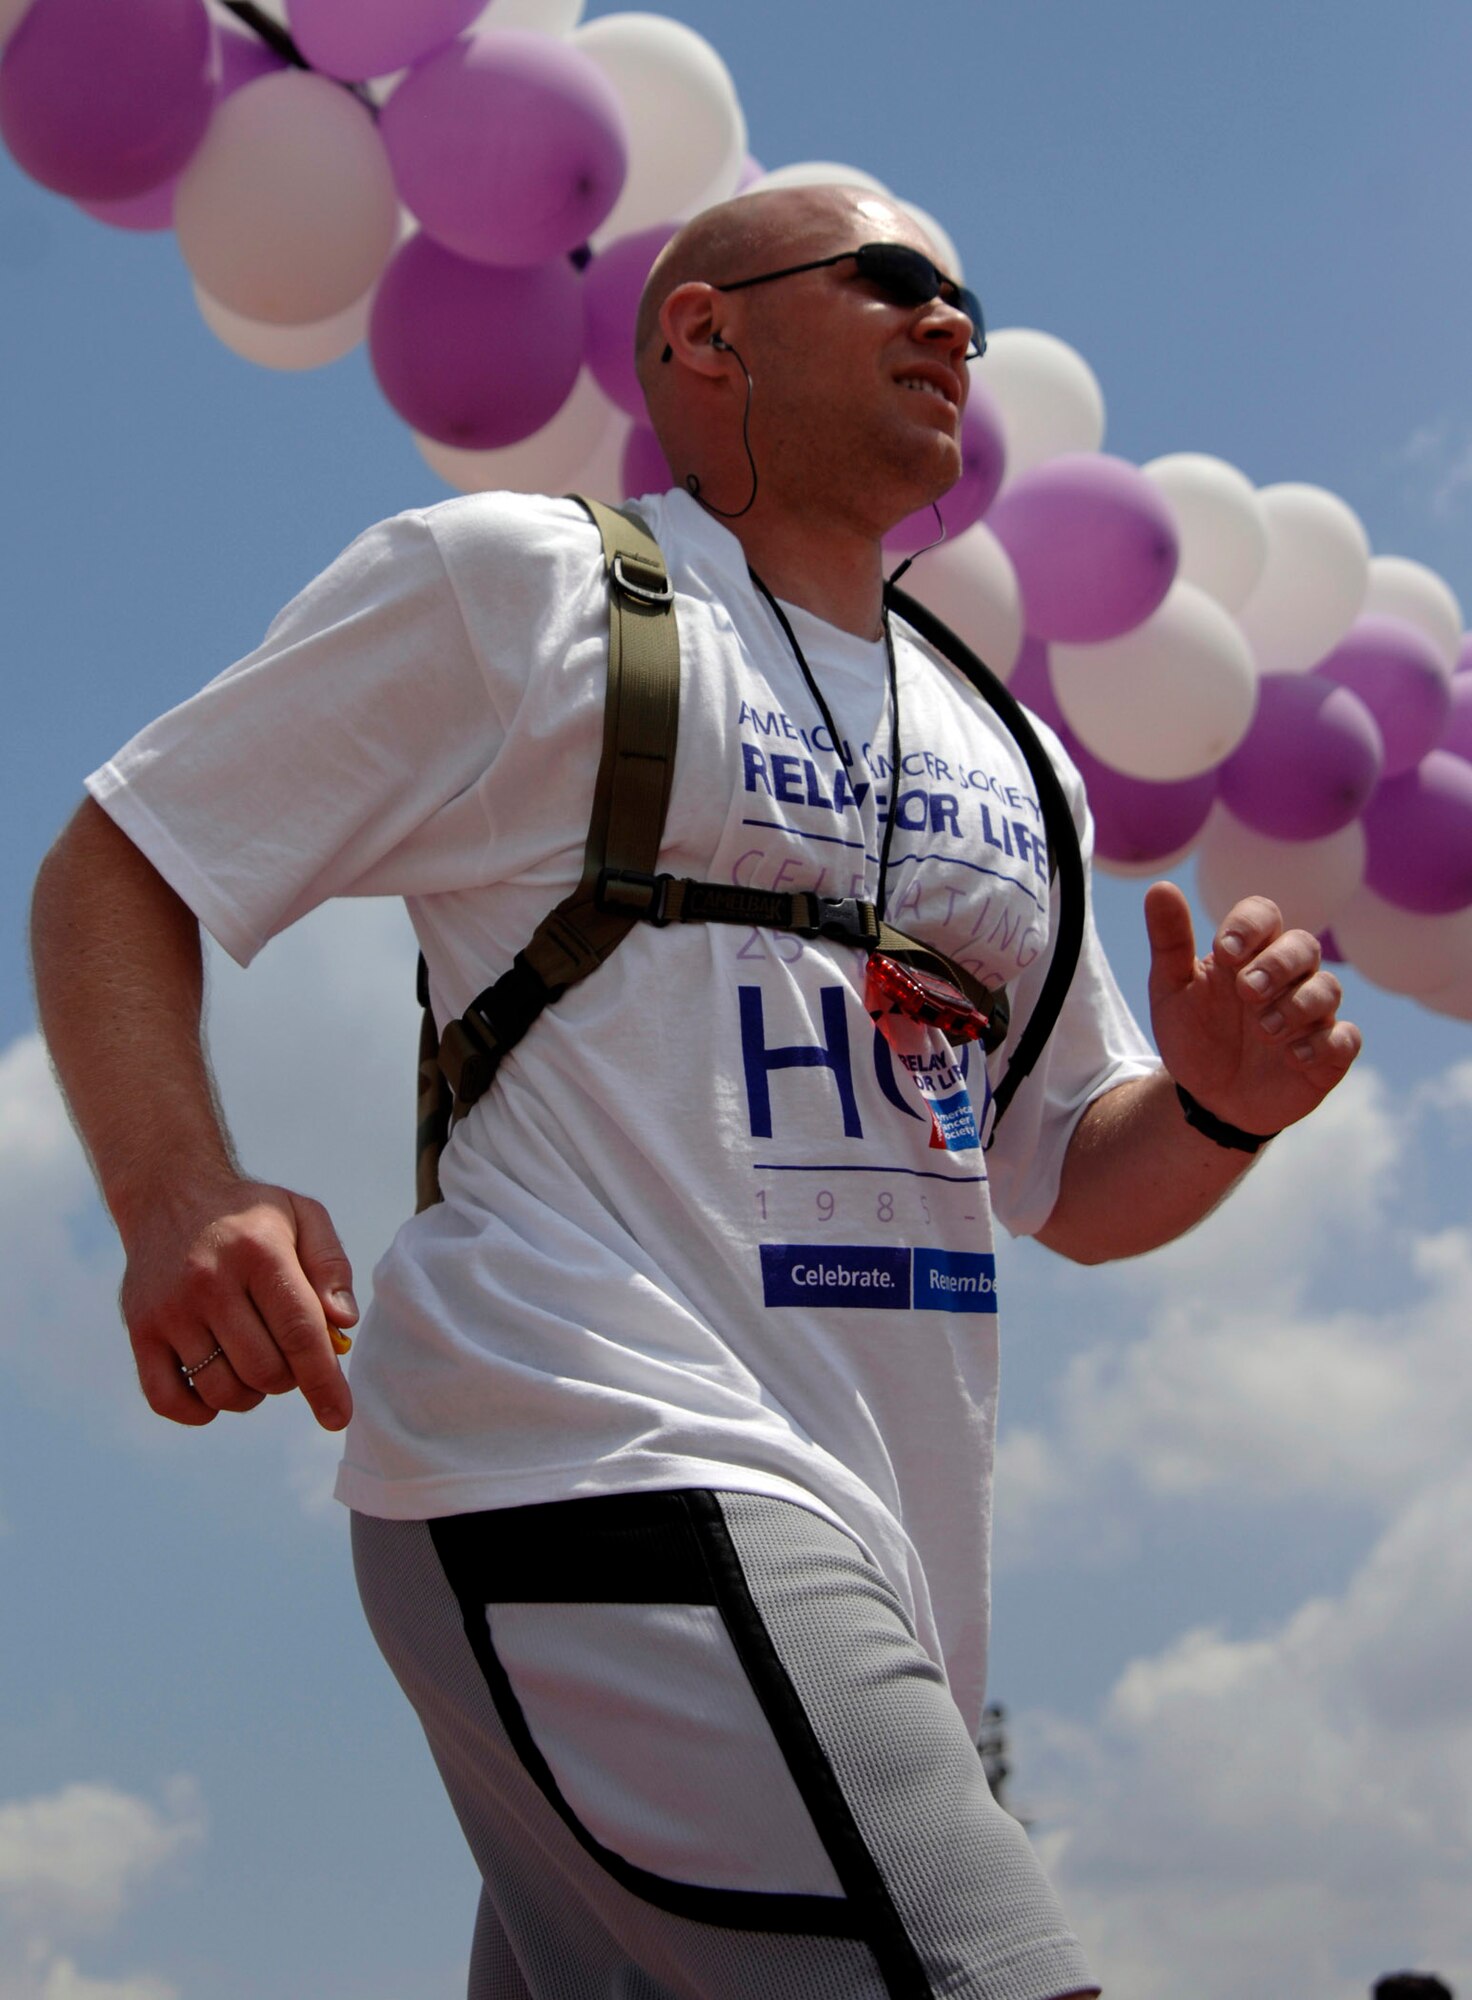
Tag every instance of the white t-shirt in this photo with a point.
(697, 1233)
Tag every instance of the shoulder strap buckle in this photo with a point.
(646, 582)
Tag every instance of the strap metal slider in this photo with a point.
(655, 588)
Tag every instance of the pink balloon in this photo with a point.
(645, 468)
(1136, 820)
(1418, 833)
(1093, 543)
(243, 57)
(509, 148)
(473, 356)
(1398, 674)
(1308, 764)
(104, 101)
(361, 38)
(983, 461)
(612, 287)
(1457, 735)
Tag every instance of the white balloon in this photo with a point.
(10, 17)
(686, 130)
(1400, 588)
(1167, 700)
(549, 461)
(947, 255)
(1224, 538)
(1049, 396)
(1455, 1001)
(275, 9)
(289, 348)
(971, 584)
(601, 475)
(1313, 584)
(1401, 950)
(818, 173)
(1309, 880)
(546, 17)
(287, 213)
(1144, 871)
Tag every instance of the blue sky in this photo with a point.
(1234, 1498)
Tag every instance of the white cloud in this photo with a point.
(73, 1858)
(59, 1321)
(71, 1863)
(1244, 1382)
(59, 1979)
(1285, 1813)
(1282, 1809)
(316, 1050)
(1437, 459)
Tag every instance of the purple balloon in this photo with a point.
(751, 170)
(1464, 654)
(360, 38)
(1032, 684)
(1093, 543)
(1457, 735)
(1418, 837)
(1138, 821)
(1329, 949)
(243, 58)
(151, 210)
(1399, 676)
(474, 356)
(510, 148)
(612, 287)
(1308, 764)
(645, 468)
(101, 102)
(983, 461)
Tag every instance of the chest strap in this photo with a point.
(671, 899)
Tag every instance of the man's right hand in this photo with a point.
(256, 1271)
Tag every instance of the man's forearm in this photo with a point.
(1136, 1175)
(119, 987)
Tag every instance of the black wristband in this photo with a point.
(1217, 1129)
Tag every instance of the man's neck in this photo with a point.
(831, 569)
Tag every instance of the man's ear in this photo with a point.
(687, 320)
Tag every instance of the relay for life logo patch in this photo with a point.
(889, 1280)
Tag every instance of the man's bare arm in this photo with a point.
(1251, 1032)
(214, 1258)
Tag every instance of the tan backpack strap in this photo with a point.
(640, 728)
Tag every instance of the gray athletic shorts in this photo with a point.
(697, 1751)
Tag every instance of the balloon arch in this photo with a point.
(479, 192)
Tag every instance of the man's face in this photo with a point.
(857, 397)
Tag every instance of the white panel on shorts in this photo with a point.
(644, 1714)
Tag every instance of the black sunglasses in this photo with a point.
(903, 275)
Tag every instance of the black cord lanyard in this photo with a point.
(837, 741)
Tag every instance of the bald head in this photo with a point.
(763, 231)
(790, 392)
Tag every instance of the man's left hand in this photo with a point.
(1250, 1031)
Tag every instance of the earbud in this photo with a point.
(723, 345)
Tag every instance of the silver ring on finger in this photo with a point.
(190, 1373)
